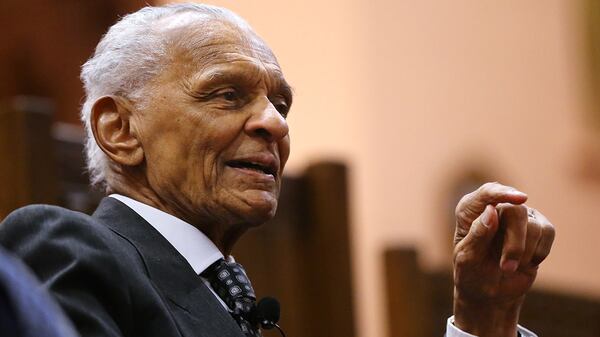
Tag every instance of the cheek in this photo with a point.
(165, 161)
(217, 143)
(284, 151)
(205, 158)
(221, 132)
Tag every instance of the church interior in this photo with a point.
(400, 108)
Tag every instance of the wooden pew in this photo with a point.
(419, 302)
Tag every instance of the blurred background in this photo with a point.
(419, 101)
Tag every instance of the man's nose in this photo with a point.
(267, 123)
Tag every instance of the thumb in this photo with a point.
(482, 232)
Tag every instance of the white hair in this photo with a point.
(126, 57)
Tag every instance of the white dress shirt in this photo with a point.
(197, 249)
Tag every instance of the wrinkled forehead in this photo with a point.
(203, 39)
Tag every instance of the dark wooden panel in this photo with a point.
(72, 179)
(554, 314)
(302, 256)
(26, 154)
(420, 302)
(407, 307)
(441, 289)
(45, 42)
(329, 249)
(12, 161)
(273, 257)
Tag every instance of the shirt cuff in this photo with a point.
(453, 331)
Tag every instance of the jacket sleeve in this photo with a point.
(75, 261)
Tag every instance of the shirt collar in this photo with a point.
(189, 241)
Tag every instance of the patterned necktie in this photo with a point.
(229, 281)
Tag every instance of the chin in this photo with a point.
(259, 210)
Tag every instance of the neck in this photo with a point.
(222, 234)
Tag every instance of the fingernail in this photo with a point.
(485, 217)
(509, 266)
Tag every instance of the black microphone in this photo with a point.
(266, 314)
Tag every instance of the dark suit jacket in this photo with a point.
(114, 274)
(26, 309)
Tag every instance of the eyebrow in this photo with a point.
(218, 75)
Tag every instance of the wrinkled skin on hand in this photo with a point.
(499, 244)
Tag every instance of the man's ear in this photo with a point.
(110, 121)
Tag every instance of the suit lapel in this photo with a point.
(170, 272)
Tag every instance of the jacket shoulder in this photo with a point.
(49, 221)
(40, 234)
(43, 215)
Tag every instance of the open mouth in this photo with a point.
(258, 167)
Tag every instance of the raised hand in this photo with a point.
(499, 244)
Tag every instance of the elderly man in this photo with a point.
(186, 117)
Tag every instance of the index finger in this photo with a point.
(474, 203)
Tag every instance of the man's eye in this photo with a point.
(282, 107)
(230, 95)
